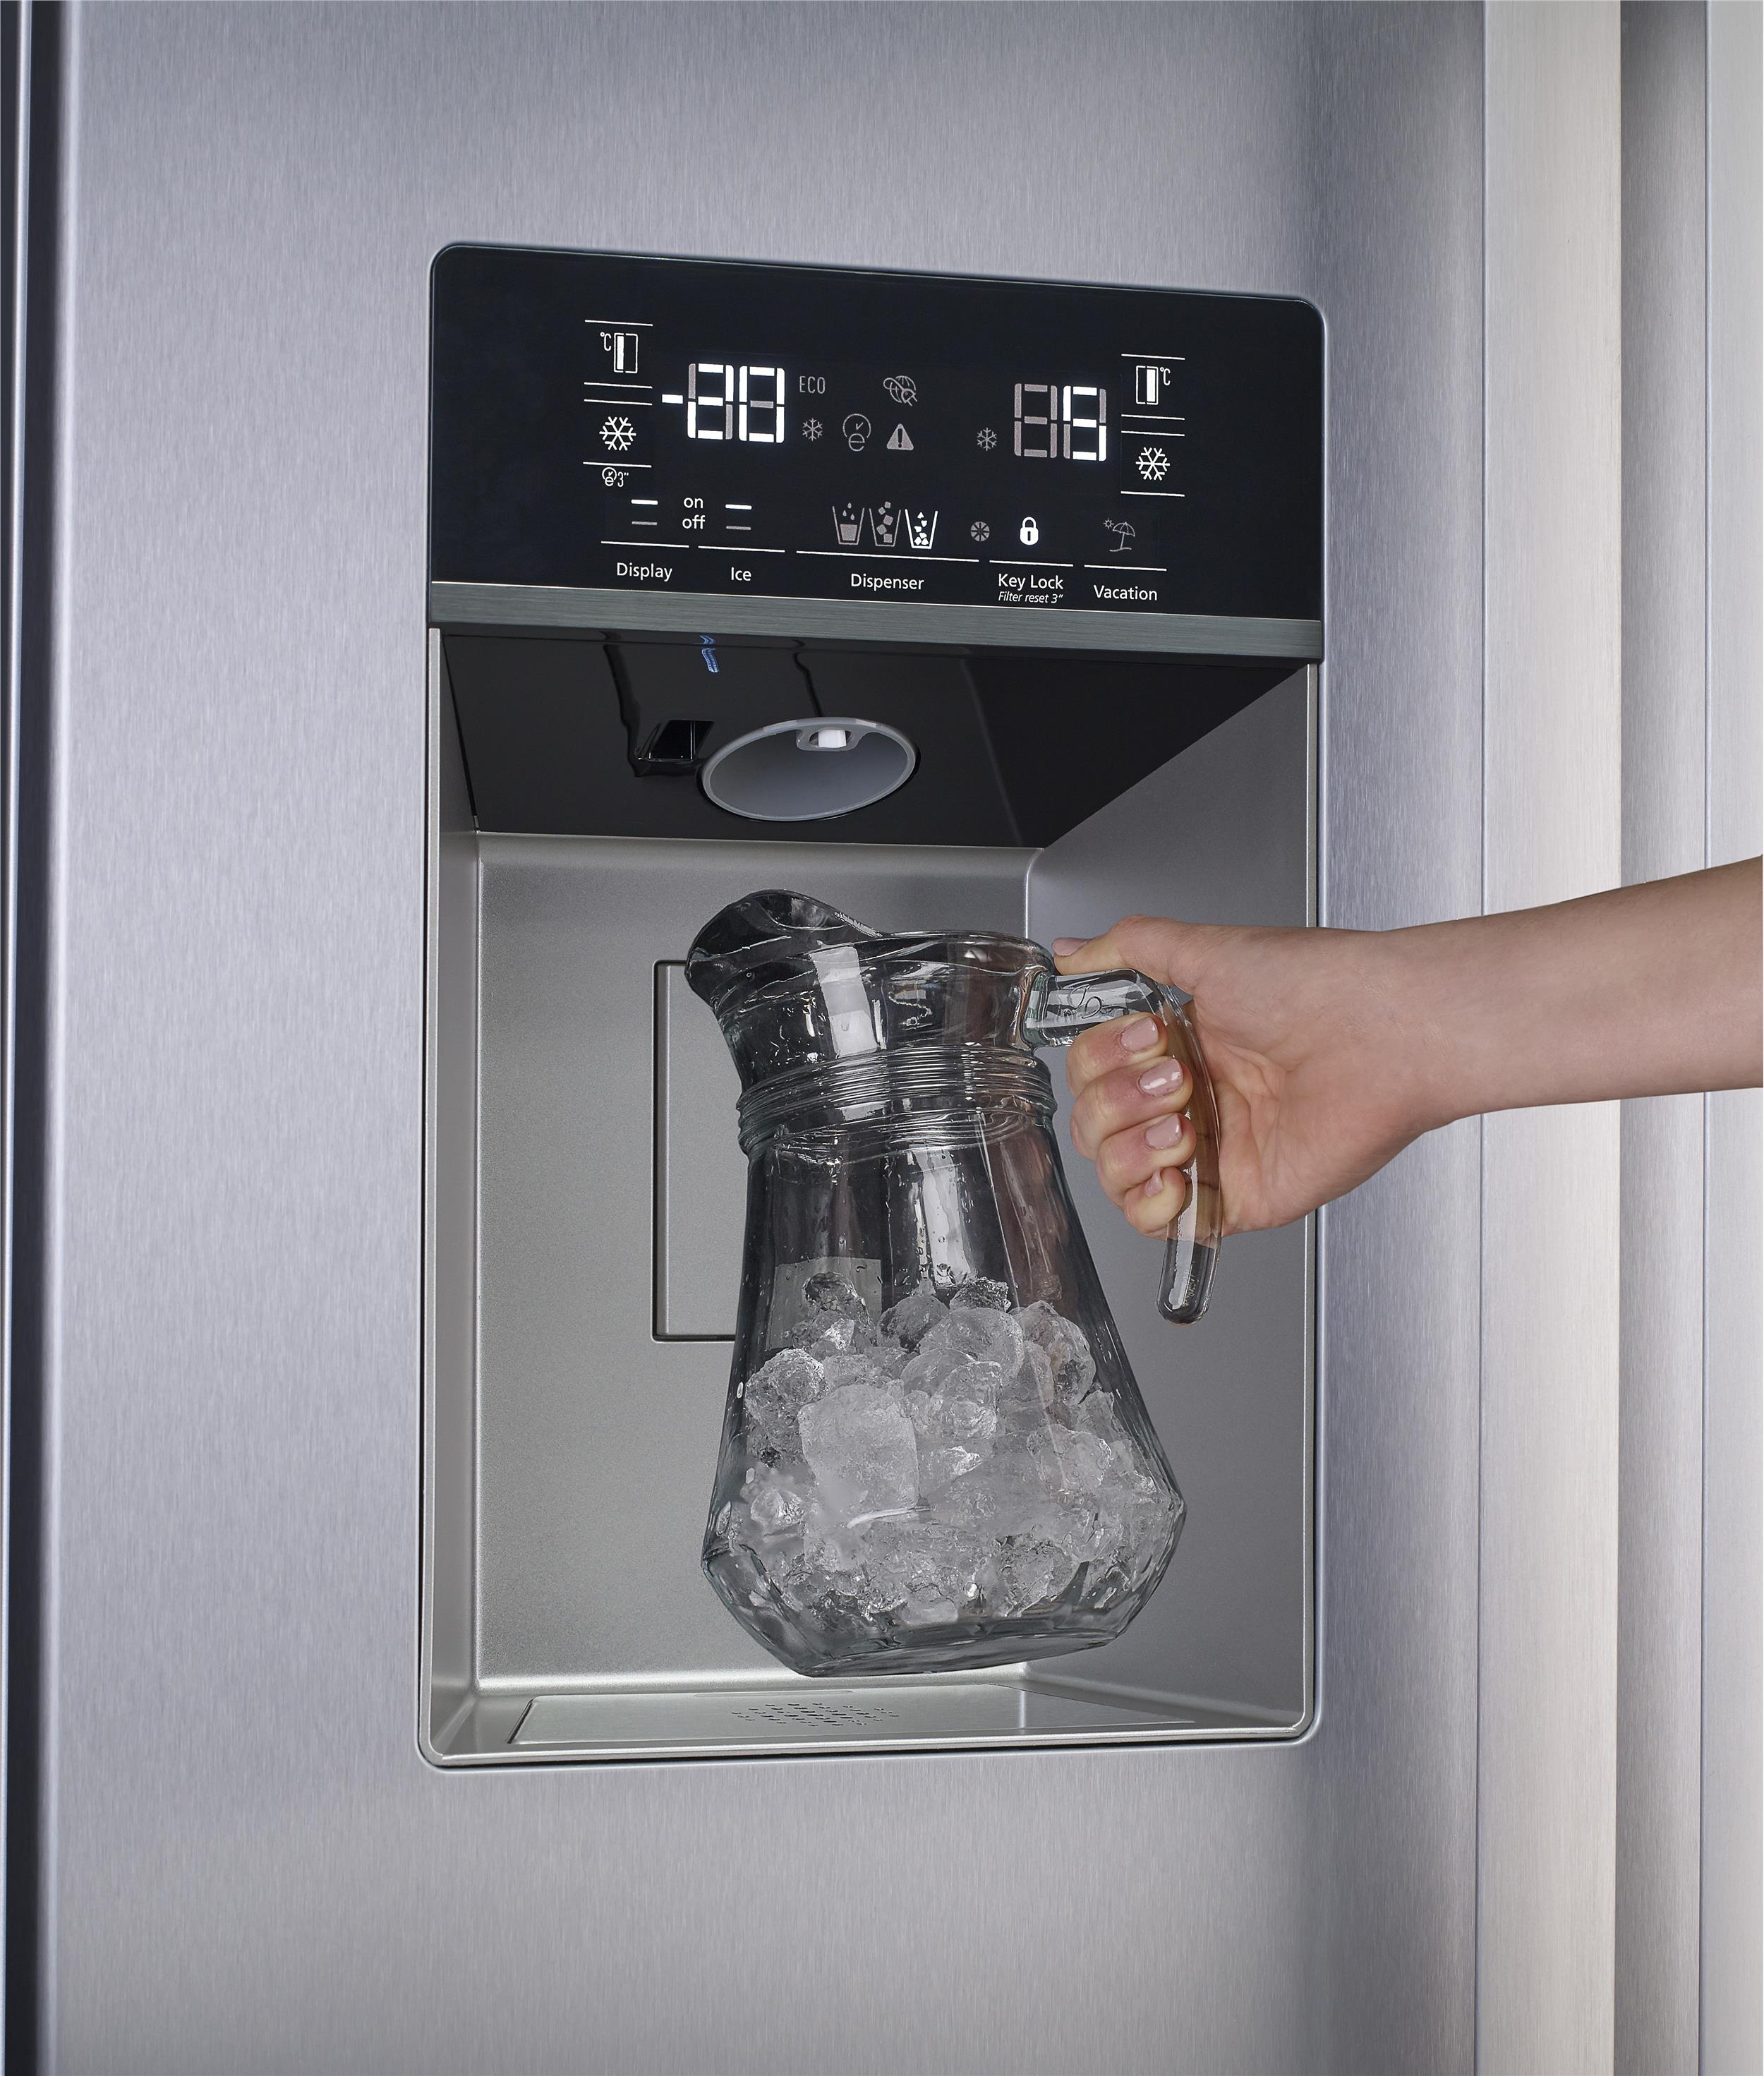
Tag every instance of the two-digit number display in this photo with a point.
(730, 400)
(1061, 422)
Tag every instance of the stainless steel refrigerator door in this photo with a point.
(245, 1862)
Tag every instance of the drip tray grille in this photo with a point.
(833, 1717)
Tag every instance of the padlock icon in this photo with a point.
(1029, 533)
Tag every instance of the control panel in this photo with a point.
(610, 424)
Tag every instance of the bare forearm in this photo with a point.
(1645, 990)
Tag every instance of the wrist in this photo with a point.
(1435, 1001)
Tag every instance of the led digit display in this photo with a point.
(605, 426)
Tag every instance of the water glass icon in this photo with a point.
(921, 528)
(847, 524)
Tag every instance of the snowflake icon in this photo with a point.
(1153, 464)
(812, 428)
(617, 433)
(986, 439)
(980, 531)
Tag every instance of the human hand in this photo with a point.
(1330, 1050)
(1298, 1030)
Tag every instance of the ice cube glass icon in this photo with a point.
(847, 524)
(921, 529)
(885, 523)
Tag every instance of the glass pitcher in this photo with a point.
(934, 1455)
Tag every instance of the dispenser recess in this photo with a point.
(1142, 738)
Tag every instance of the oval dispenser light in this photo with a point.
(808, 770)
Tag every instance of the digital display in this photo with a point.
(610, 425)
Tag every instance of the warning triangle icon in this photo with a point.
(899, 442)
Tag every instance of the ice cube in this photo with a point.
(777, 1503)
(1032, 1571)
(919, 1572)
(914, 1316)
(968, 1505)
(832, 1332)
(1090, 1535)
(1068, 1351)
(983, 1333)
(831, 1545)
(937, 1361)
(941, 1467)
(984, 1291)
(871, 1366)
(977, 1380)
(1033, 1380)
(1096, 1415)
(969, 1419)
(1071, 1462)
(825, 1292)
(859, 1442)
(774, 1395)
(963, 1407)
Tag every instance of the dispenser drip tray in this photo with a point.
(874, 1715)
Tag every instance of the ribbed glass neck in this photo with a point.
(956, 1093)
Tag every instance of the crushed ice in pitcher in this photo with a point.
(958, 1461)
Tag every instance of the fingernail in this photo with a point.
(1064, 946)
(1165, 1132)
(1160, 1182)
(1141, 1034)
(1160, 1080)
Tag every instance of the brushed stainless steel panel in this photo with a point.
(861, 620)
(1660, 1422)
(1547, 1762)
(1393, 1824)
(1733, 1897)
(239, 716)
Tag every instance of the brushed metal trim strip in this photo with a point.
(1547, 1628)
(1660, 1359)
(1732, 2011)
(866, 620)
(11, 729)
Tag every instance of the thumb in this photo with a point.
(1169, 952)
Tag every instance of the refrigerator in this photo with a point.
(372, 1195)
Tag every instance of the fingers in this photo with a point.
(1136, 1091)
(1130, 1043)
(1156, 1206)
(1126, 1162)
(1127, 1115)
(1167, 951)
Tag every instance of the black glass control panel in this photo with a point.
(619, 424)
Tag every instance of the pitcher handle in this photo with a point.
(1058, 1009)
